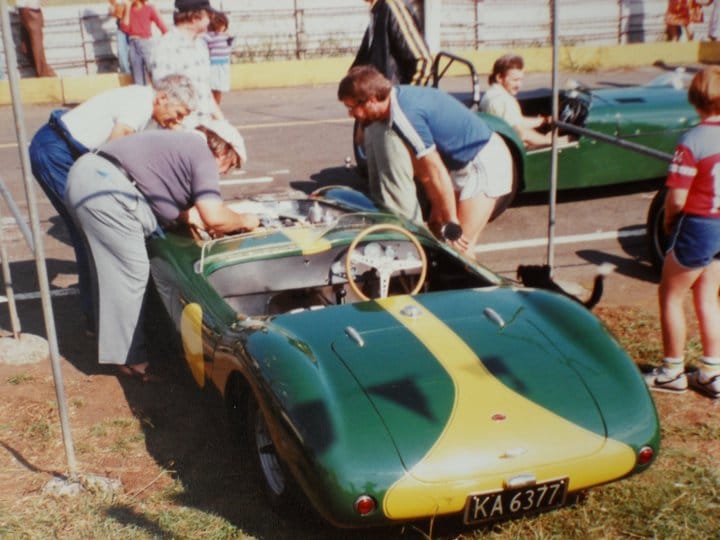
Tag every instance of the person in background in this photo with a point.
(394, 44)
(680, 15)
(137, 23)
(219, 44)
(181, 50)
(104, 117)
(31, 35)
(124, 193)
(500, 100)
(692, 262)
(117, 10)
(713, 21)
(463, 166)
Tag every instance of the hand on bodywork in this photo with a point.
(217, 219)
(432, 174)
(674, 203)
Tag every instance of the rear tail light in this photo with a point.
(645, 455)
(365, 505)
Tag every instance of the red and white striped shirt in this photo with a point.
(696, 167)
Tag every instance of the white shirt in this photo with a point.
(499, 102)
(178, 52)
(91, 122)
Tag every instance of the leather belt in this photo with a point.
(116, 163)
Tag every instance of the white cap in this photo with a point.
(229, 133)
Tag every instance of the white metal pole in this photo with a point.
(433, 17)
(553, 155)
(13, 78)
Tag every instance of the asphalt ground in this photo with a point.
(299, 139)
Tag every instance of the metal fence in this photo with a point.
(81, 39)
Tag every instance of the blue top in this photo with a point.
(427, 118)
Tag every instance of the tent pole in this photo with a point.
(554, 153)
(39, 251)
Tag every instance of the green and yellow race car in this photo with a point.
(385, 378)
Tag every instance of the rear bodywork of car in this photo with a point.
(422, 402)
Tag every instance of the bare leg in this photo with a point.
(707, 308)
(675, 284)
(474, 214)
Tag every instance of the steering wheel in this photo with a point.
(572, 111)
(386, 265)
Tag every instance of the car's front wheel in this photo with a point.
(656, 237)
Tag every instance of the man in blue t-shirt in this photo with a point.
(462, 164)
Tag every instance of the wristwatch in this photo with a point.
(451, 231)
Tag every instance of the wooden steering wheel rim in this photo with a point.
(384, 227)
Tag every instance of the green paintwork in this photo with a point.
(355, 420)
(652, 116)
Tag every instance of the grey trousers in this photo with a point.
(115, 219)
(390, 172)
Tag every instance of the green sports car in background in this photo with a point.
(616, 134)
(385, 378)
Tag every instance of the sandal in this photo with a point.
(133, 371)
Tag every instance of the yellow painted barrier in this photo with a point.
(316, 71)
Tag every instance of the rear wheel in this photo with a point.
(656, 238)
(279, 486)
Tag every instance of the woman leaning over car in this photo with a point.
(692, 215)
(125, 192)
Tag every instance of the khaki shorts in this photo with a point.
(490, 172)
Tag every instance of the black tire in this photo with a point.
(656, 239)
(279, 486)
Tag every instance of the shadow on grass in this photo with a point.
(125, 515)
(187, 433)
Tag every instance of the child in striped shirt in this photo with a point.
(219, 44)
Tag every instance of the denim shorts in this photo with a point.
(696, 241)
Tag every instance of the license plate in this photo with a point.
(511, 503)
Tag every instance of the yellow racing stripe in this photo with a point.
(191, 333)
(476, 452)
(310, 241)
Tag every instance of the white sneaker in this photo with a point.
(711, 387)
(657, 380)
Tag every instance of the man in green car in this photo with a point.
(500, 100)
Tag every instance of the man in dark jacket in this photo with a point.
(394, 44)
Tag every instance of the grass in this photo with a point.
(21, 378)
(197, 484)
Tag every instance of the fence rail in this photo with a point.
(81, 39)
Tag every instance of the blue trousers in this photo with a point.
(51, 156)
(139, 54)
(122, 51)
